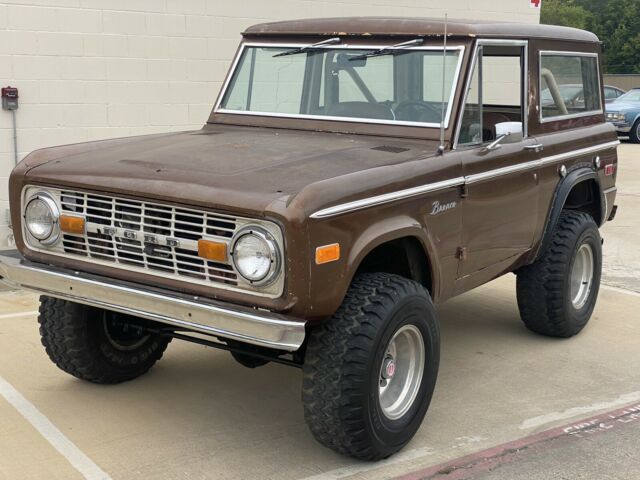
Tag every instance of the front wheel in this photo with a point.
(557, 293)
(634, 133)
(97, 345)
(370, 371)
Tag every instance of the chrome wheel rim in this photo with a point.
(582, 276)
(401, 372)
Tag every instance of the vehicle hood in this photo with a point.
(623, 107)
(228, 167)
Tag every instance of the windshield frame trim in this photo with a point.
(223, 91)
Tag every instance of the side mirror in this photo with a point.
(512, 131)
(506, 132)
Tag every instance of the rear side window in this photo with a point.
(610, 93)
(569, 85)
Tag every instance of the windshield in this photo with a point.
(397, 86)
(630, 96)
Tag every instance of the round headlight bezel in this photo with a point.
(274, 254)
(50, 202)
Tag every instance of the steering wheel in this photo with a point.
(415, 110)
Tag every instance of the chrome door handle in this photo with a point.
(536, 148)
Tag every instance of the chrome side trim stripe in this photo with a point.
(498, 172)
(468, 180)
(578, 153)
(387, 198)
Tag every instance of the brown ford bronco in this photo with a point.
(353, 173)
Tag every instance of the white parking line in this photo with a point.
(575, 411)
(55, 437)
(18, 315)
(620, 290)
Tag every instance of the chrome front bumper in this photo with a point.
(223, 320)
(621, 127)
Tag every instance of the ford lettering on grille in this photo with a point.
(157, 238)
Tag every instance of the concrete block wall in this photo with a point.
(94, 69)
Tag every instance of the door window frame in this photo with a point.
(524, 79)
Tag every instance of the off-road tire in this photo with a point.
(543, 288)
(75, 339)
(341, 371)
(634, 133)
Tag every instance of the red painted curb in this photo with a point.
(484, 460)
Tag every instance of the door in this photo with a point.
(500, 204)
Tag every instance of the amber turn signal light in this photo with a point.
(215, 251)
(70, 224)
(328, 253)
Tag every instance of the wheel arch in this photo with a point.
(375, 252)
(579, 190)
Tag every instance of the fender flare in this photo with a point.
(388, 230)
(581, 173)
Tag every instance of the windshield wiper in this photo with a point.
(392, 50)
(306, 48)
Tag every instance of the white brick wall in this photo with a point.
(92, 69)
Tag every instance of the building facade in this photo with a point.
(95, 69)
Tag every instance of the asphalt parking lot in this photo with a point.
(508, 404)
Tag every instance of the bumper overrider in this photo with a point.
(223, 320)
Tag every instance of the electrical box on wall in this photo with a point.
(9, 98)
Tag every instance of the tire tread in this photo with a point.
(64, 335)
(540, 286)
(336, 357)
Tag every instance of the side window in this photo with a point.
(569, 85)
(610, 93)
(495, 94)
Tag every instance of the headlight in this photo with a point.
(255, 255)
(616, 117)
(41, 218)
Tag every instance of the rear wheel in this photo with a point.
(97, 345)
(557, 293)
(370, 371)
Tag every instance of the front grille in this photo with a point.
(122, 230)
